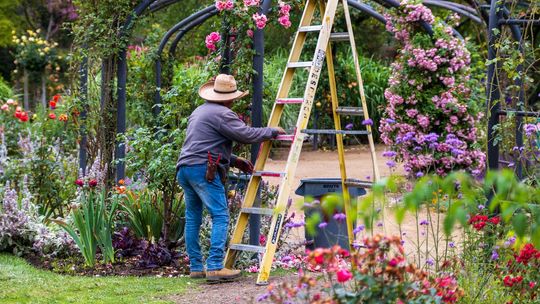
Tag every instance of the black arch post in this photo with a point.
(182, 26)
(83, 91)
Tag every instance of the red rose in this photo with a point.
(532, 284)
(56, 97)
(517, 279)
(343, 275)
(52, 104)
(508, 281)
(23, 116)
(79, 182)
(478, 226)
(52, 116)
(319, 259)
(495, 220)
(92, 183)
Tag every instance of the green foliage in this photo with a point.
(93, 226)
(146, 217)
(5, 90)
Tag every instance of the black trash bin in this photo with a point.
(335, 232)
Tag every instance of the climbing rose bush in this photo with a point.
(430, 121)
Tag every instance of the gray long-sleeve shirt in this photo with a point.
(213, 127)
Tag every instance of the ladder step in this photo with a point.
(268, 173)
(251, 248)
(342, 36)
(262, 211)
(289, 100)
(357, 183)
(353, 111)
(329, 131)
(285, 137)
(299, 64)
(310, 28)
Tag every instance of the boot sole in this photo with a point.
(217, 280)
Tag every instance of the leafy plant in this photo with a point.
(92, 226)
(144, 215)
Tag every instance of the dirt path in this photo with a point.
(242, 291)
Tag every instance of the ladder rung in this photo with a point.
(329, 131)
(262, 211)
(285, 137)
(243, 247)
(343, 36)
(310, 28)
(289, 100)
(268, 173)
(299, 64)
(350, 111)
(356, 183)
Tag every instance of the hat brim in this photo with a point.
(206, 91)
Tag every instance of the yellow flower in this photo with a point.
(46, 49)
(41, 54)
(13, 32)
(31, 39)
(23, 37)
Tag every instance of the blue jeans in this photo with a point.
(198, 192)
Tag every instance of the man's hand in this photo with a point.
(244, 165)
(279, 130)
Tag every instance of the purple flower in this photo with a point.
(510, 242)
(424, 222)
(323, 225)
(530, 129)
(379, 224)
(391, 164)
(390, 121)
(431, 137)
(419, 174)
(295, 224)
(340, 216)
(349, 126)
(367, 122)
(359, 229)
(452, 245)
(481, 207)
(389, 154)
(494, 255)
(430, 262)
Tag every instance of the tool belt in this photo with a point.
(214, 167)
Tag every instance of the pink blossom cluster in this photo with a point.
(260, 20)
(211, 40)
(284, 11)
(430, 127)
(224, 5)
(249, 3)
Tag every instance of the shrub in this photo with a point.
(430, 120)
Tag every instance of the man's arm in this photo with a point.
(235, 129)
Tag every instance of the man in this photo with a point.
(202, 166)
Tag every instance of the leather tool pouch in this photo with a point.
(212, 167)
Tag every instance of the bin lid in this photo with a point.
(320, 186)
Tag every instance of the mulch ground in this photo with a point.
(124, 267)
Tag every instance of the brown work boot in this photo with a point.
(197, 274)
(223, 275)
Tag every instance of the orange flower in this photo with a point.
(63, 117)
(121, 182)
(52, 116)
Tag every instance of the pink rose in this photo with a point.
(284, 8)
(4, 107)
(284, 20)
(344, 275)
(260, 20)
(250, 33)
(251, 2)
(224, 5)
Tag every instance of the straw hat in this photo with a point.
(221, 90)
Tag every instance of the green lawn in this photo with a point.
(22, 283)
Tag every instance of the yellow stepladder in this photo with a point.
(322, 52)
